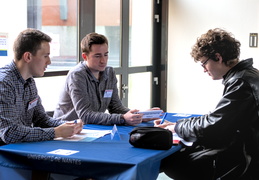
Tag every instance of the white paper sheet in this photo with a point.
(86, 135)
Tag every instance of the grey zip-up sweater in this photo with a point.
(87, 98)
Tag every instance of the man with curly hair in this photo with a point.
(225, 141)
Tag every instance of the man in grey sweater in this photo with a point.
(91, 89)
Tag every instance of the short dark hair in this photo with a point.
(29, 40)
(90, 39)
(216, 41)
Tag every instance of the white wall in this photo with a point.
(189, 89)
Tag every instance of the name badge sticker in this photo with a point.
(33, 103)
(108, 93)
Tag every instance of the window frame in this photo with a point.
(86, 24)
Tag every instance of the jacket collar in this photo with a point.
(244, 64)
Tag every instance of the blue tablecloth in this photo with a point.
(102, 159)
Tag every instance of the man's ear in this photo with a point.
(84, 56)
(218, 57)
(27, 57)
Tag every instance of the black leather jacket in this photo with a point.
(237, 111)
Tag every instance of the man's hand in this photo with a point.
(131, 118)
(79, 125)
(166, 125)
(151, 119)
(69, 129)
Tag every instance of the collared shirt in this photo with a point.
(88, 98)
(22, 116)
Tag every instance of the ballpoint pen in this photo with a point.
(163, 119)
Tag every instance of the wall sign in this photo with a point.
(3, 44)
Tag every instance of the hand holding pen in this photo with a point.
(78, 125)
(68, 128)
(163, 123)
(163, 119)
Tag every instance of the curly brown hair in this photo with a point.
(216, 41)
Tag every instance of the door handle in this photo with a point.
(124, 87)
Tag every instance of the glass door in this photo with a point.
(108, 23)
(128, 27)
(140, 54)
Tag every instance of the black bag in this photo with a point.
(151, 138)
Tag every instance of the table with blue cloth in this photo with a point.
(103, 159)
